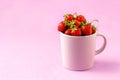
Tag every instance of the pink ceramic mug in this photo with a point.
(78, 51)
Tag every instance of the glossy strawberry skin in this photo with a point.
(61, 27)
(77, 23)
(76, 32)
(87, 29)
(68, 31)
(81, 18)
(69, 17)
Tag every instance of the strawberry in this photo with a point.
(76, 23)
(87, 29)
(76, 32)
(68, 31)
(61, 27)
(69, 17)
(81, 18)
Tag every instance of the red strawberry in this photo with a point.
(76, 32)
(87, 29)
(81, 18)
(68, 31)
(77, 23)
(68, 17)
(61, 27)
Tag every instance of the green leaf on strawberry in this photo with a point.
(93, 29)
(76, 32)
(68, 17)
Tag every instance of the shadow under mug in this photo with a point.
(78, 51)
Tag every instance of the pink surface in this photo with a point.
(30, 42)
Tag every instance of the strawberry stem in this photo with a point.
(66, 15)
(73, 28)
(75, 15)
(94, 21)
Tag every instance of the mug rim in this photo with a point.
(78, 36)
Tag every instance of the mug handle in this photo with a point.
(103, 46)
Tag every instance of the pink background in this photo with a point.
(30, 43)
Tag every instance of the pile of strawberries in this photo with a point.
(76, 25)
